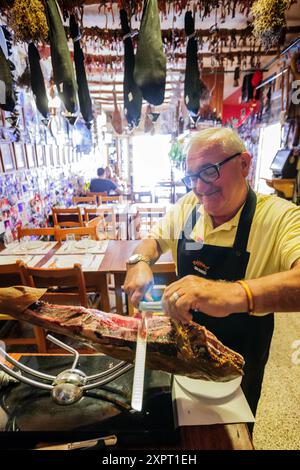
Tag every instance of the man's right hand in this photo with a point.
(139, 280)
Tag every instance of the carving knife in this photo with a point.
(139, 365)
(140, 354)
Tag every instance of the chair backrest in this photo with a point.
(140, 196)
(111, 199)
(10, 275)
(37, 232)
(84, 200)
(104, 221)
(99, 195)
(146, 218)
(67, 217)
(55, 280)
(90, 213)
(78, 232)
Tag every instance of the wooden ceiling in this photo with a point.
(105, 63)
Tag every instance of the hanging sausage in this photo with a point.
(194, 88)
(85, 101)
(63, 72)
(132, 94)
(37, 80)
(150, 61)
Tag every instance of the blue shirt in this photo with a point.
(101, 185)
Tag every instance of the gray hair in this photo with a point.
(226, 138)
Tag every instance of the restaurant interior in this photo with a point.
(69, 106)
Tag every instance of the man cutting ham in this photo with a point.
(237, 254)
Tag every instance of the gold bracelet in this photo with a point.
(249, 296)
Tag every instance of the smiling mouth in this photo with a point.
(209, 193)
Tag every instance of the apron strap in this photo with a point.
(191, 222)
(245, 222)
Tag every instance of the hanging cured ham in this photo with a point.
(37, 80)
(171, 346)
(194, 88)
(150, 61)
(85, 102)
(63, 72)
(132, 94)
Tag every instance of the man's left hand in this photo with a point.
(215, 298)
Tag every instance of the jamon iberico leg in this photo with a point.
(188, 349)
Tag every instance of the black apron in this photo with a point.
(247, 334)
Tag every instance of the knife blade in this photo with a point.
(139, 365)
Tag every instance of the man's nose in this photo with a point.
(201, 187)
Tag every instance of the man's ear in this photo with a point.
(245, 160)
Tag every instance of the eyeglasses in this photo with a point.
(208, 175)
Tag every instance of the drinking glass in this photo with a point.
(8, 239)
(86, 239)
(70, 237)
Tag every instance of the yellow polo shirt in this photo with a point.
(274, 240)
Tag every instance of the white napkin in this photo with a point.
(194, 411)
(71, 247)
(28, 248)
(28, 259)
(88, 262)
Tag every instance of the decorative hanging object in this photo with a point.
(116, 116)
(150, 63)
(194, 88)
(236, 76)
(132, 94)
(269, 20)
(7, 86)
(28, 21)
(85, 101)
(63, 72)
(37, 80)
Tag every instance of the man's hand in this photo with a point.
(138, 281)
(215, 298)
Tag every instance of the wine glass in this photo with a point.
(8, 239)
(86, 239)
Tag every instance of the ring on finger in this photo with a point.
(174, 297)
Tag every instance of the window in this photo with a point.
(269, 143)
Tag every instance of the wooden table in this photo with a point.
(211, 437)
(115, 260)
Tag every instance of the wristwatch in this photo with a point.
(137, 258)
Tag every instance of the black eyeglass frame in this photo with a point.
(216, 166)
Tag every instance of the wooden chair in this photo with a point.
(146, 218)
(53, 279)
(140, 196)
(37, 232)
(99, 196)
(104, 221)
(10, 276)
(78, 232)
(67, 217)
(84, 200)
(66, 286)
(111, 199)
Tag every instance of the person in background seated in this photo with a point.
(101, 184)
